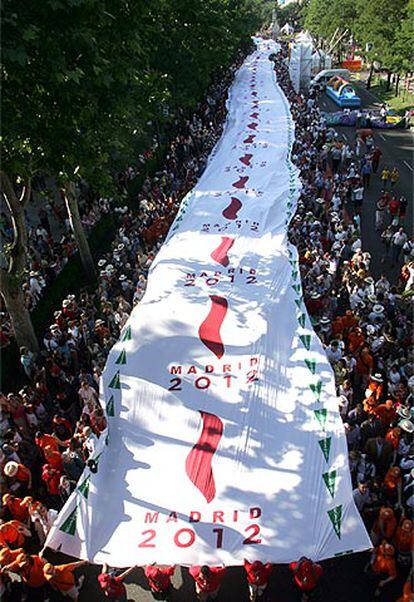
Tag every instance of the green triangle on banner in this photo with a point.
(121, 358)
(335, 516)
(115, 382)
(107, 440)
(84, 488)
(330, 481)
(311, 364)
(321, 416)
(306, 340)
(325, 445)
(298, 303)
(127, 334)
(296, 288)
(110, 406)
(292, 262)
(289, 204)
(69, 524)
(294, 274)
(302, 320)
(314, 321)
(316, 389)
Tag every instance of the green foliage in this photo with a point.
(83, 78)
(382, 27)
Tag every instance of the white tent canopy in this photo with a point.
(224, 437)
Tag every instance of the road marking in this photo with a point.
(382, 136)
(408, 165)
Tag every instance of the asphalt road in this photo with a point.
(397, 146)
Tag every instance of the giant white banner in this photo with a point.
(224, 439)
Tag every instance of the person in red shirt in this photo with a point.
(112, 585)
(51, 476)
(13, 534)
(257, 576)
(207, 580)
(159, 580)
(306, 575)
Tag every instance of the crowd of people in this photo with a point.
(51, 243)
(50, 427)
(365, 324)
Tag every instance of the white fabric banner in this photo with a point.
(224, 437)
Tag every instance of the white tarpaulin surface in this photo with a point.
(224, 439)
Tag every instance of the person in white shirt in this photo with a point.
(398, 241)
(333, 352)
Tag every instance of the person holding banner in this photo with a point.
(111, 584)
(258, 577)
(306, 575)
(159, 580)
(207, 580)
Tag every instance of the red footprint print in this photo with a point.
(246, 159)
(220, 253)
(249, 139)
(252, 125)
(230, 212)
(254, 115)
(241, 182)
(209, 331)
(254, 93)
(198, 463)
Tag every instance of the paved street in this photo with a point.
(397, 150)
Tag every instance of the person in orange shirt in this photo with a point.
(13, 534)
(61, 578)
(383, 565)
(30, 568)
(364, 366)
(337, 327)
(385, 412)
(7, 555)
(53, 457)
(384, 526)
(393, 485)
(356, 340)
(16, 507)
(373, 393)
(408, 591)
(44, 440)
(404, 541)
(393, 436)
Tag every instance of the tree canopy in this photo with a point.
(383, 29)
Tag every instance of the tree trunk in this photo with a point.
(12, 277)
(397, 83)
(71, 202)
(371, 73)
(388, 86)
(12, 292)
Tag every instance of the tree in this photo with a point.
(75, 85)
(375, 29)
(15, 255)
